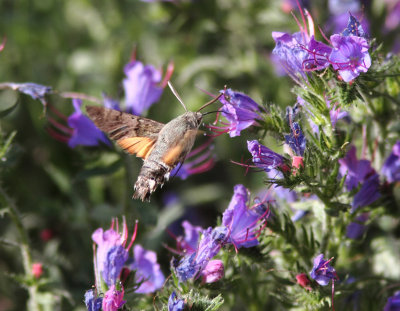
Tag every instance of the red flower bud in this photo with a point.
(37, 269)
(46, 234)
(303, 281)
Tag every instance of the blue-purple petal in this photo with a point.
(322, 271)
(263, 157)
(147, 269)
(92, 303)
(114, 262)
(141, 87)
(85, 133)
(391, 167)
(174, 303)
(350, 56)
(368, 193)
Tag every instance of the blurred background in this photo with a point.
(64, 194)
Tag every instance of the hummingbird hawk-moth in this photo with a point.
(161, 146)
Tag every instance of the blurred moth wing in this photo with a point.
(161, 146)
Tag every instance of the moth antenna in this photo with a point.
(176, 95)
(210, 102)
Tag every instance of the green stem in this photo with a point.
(24, 247)
(327, 235)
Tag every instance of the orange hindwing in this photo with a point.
(141, 146)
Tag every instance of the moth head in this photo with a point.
(193, 118)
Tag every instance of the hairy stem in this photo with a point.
(24, 247)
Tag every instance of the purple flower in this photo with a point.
(112, 300)
(241, 221)
(191, 265)
(240, 110)
(368, 193)
(357, 170)
(186, 268)
(318, 55)
(356, 229)
(290, 51)
(111, 253)
(391, 167)
(84, 132)
(299, 52)
(188, 242)
(393, 302)
(350, 56)
(322, 272)
(198, 161)
(174, 303)
(147, 270)
(213, 271)
(92, 303)
(210, 245)
(143, 86)
(264, 157)
(296, 139)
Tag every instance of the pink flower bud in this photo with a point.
(303, 281)
(213, 271)
(296, 163)
(37, 269)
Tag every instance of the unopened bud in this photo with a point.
(213, 271)
(37, 269)
(296, 163)
(303, 281)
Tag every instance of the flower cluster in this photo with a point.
(111, 259)
(299, 53)
(241, 226)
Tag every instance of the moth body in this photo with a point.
(174, 142)
(162, 147)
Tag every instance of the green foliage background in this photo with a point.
(82, 46)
